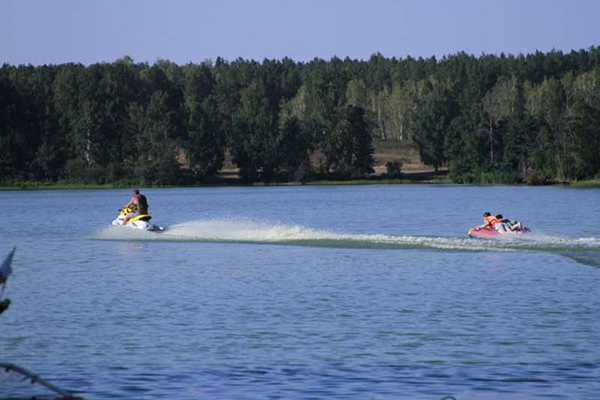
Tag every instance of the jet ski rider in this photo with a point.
(489, 222)
(139, 203)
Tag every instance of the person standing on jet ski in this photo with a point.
(139, 203)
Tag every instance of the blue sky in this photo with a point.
(88, 31)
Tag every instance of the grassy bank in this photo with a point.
(415, 177)
(82, 186)
(594, 183)
(54, 186)
(35, 185)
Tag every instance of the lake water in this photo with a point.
(339, 292)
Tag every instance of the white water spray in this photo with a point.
(240, 230)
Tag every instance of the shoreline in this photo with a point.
(408, 178)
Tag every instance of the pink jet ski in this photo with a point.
(483, 232)
(491, 232)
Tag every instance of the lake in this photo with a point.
(308, 292)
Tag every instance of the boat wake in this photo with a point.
(250, 231)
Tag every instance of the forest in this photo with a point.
(531, 119)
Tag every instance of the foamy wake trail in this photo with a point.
(242, 230)
(239, 230)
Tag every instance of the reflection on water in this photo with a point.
(129, 247)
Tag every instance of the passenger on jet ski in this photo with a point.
(139, 203)
(509, 225)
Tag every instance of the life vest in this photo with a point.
(491, 221)
(142, 204)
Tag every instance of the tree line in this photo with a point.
(494, 118)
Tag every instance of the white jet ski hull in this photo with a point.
(137, 222)
(138, 225)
